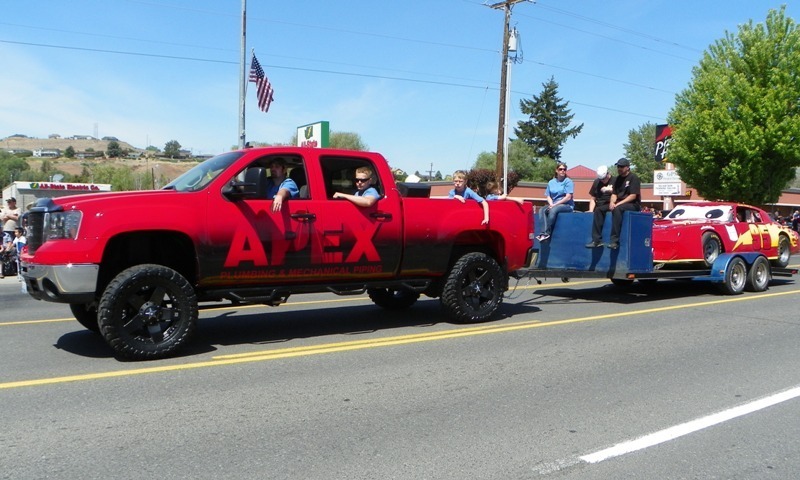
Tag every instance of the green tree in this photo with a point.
(69, 152)
(347, 141)
(547, 127)
(172, 149)
(11, 168)
(343, 140)
(736, 127)
(113, 150)
(641, 151)
(521, 159)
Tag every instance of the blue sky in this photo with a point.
(417, 79)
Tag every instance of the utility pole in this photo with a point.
(242, 76)
(506, 5)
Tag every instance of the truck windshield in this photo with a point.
(198, 177)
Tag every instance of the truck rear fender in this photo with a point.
(169, 248)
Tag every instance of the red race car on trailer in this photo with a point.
(698, 232)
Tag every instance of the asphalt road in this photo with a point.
(701, 385)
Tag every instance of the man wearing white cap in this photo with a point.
(600, 198)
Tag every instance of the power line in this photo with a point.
(312, 70)
(617, 27)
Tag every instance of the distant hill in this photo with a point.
(28, 143)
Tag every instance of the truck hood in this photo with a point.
(94, 200)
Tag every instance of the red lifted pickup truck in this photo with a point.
(134, 265)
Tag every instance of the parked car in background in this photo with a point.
(697, 232)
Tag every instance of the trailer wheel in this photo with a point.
(86, 315)
(758, 275)
(784, 252)
(712, 247)
(147, 312)
(393, 298)
(473, 289)
(735, 277)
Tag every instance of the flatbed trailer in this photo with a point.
(565, 256)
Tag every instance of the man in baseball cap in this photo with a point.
(626, 196)
(9, 217)
(599, 200)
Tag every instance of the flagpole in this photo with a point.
(242, 77)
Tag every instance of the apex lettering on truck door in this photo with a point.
(310, 237)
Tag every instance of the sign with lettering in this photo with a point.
(667, 189)
(315, 135)
(666, 176)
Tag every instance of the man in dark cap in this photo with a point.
(9, 218)
(626, 196)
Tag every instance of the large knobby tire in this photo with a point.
(86, 315)
(758, 275)
(393, 298)
(784, 252)
(712, 247)
(735, 277)
(147, 312)
(473, 289)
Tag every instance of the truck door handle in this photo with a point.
(381, 215)
(304, 216)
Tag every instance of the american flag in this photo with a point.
(264, 88)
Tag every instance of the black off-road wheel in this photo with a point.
(147, 312)
(712, 247)
(473, 289)
(393, 298)
(784, 252)
(86, 315)
(735, 277)
(758, 275)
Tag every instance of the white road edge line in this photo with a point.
(690, 427)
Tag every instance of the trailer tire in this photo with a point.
(712, 247)
(147, 312)
(735, 277)
(393, 298)
(474, 288)
(86, 315)
(758, 275)
(784, 252)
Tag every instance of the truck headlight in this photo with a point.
(62, 225)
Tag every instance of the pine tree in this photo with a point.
(548, 126)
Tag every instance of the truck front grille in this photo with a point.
(35, 232)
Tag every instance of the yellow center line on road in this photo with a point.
(265, 355)
(288, 304)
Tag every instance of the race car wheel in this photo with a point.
(473, 289)
(147, 312)
(758, 275)
(392, 298)
(735, 277)
(86, 315)
(712, 247)
(784, 252)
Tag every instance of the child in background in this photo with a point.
(496, 193)
(462, 192)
